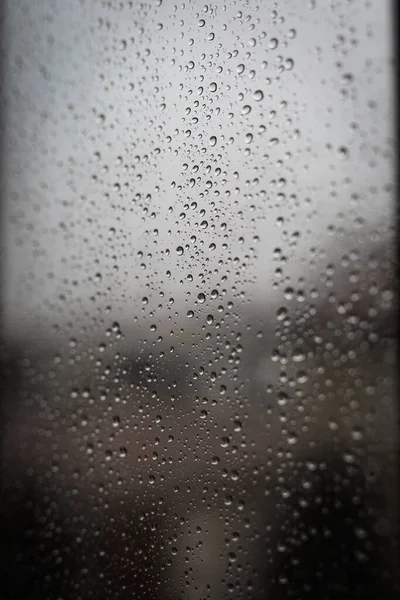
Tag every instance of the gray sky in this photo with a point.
(119, 120)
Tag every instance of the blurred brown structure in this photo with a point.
(158, 474)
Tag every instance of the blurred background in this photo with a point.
(199, 355)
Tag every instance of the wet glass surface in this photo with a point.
(199, 333)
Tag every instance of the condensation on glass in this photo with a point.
(198, 354)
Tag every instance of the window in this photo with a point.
(199, 357)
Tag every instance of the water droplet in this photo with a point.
(283, 399)
(298, 355)
(288, 293)
(288, 64)
(258, 95)
(281, 313)
(357, 433)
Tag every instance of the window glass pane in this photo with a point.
(199, 323)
